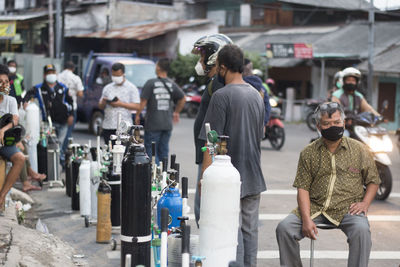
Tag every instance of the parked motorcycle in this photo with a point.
(365, 129)
(192, 104)
(312, 104)
(274, 130)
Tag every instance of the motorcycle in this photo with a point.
(274, 130)
(192, 104)
(312, 104)
(365, 129)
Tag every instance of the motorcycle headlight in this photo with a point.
(380, 144)
(273, 102)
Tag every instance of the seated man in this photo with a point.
(331, 175)
(8, 105)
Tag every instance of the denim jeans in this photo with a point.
(69, 133)
(61, 130)
(161, 138)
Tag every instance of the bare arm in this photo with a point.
(143, 103)
(367, 107)
(309, 228)
(102, 103)
(335, 99)
(79, 93)
(130, 106)
(178, 109)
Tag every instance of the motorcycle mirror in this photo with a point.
(385, 104)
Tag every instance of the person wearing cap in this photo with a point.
(54, 102)
(75, 90)
(336, 182)
(16, 81)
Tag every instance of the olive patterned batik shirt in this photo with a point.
(335, 180)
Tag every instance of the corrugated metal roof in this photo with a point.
(144, 31)
(336, 4)
(386, 62)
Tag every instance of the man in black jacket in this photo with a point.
(54, 102)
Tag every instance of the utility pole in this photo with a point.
(58, 28)
(51, 31)
(371, 33)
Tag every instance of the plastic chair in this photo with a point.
(325, 226)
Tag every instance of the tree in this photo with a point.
(182, 68)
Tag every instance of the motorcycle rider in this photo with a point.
(348, 96)
(337, 84)
(207, 47)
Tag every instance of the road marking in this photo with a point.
(331, 254)
(286, 192)
(278, 217)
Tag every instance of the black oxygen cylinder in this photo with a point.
(42, 156)
(76, 163)
(68, 171)
(136, 206)
(114, 180)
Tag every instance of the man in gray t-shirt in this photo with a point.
(159, 96)
(237, 110)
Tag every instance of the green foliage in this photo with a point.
(182, 68)
(259, 62)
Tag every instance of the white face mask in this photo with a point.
(12, 69)
(117, 79)
(199, 69)
(51, 78)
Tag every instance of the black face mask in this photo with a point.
(332, 133)
(349, 87)
(221, 79)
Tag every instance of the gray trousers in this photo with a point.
(355, 227)
(246, 253)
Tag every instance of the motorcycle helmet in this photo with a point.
(338, 79)
(210, 45)
(14, 134)
(258, 73)
(351, 72)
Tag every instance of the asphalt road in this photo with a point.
(279, 168)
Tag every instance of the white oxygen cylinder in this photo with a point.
(32, 120)
(84, 188)
(219, 209)
(94, 185)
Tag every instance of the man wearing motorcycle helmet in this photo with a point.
(207, 47)
(348, 96)
(8, 105)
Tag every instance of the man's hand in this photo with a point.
(2, 137)
(176, 117)
(70, 120)
(358, 208)
(137, 119)
(309, 229)
(116, 104)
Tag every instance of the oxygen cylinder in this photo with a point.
(94, 185)
(136, 206)
(103, 228)
(84, 187)
(219, 209)
(114, 180)
(42, 154)
(171, 200)
(74, 187)
(53, 158)
(33, 130)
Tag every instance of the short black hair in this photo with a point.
(118, 66)
(164, 64)
(69, 65)
(12, 61)
(231, 56)
(4, 69)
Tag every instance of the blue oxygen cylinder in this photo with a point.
(171, 200)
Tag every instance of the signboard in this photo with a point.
(7, 29)
(297, 50)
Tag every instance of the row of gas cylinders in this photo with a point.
(125, 200)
